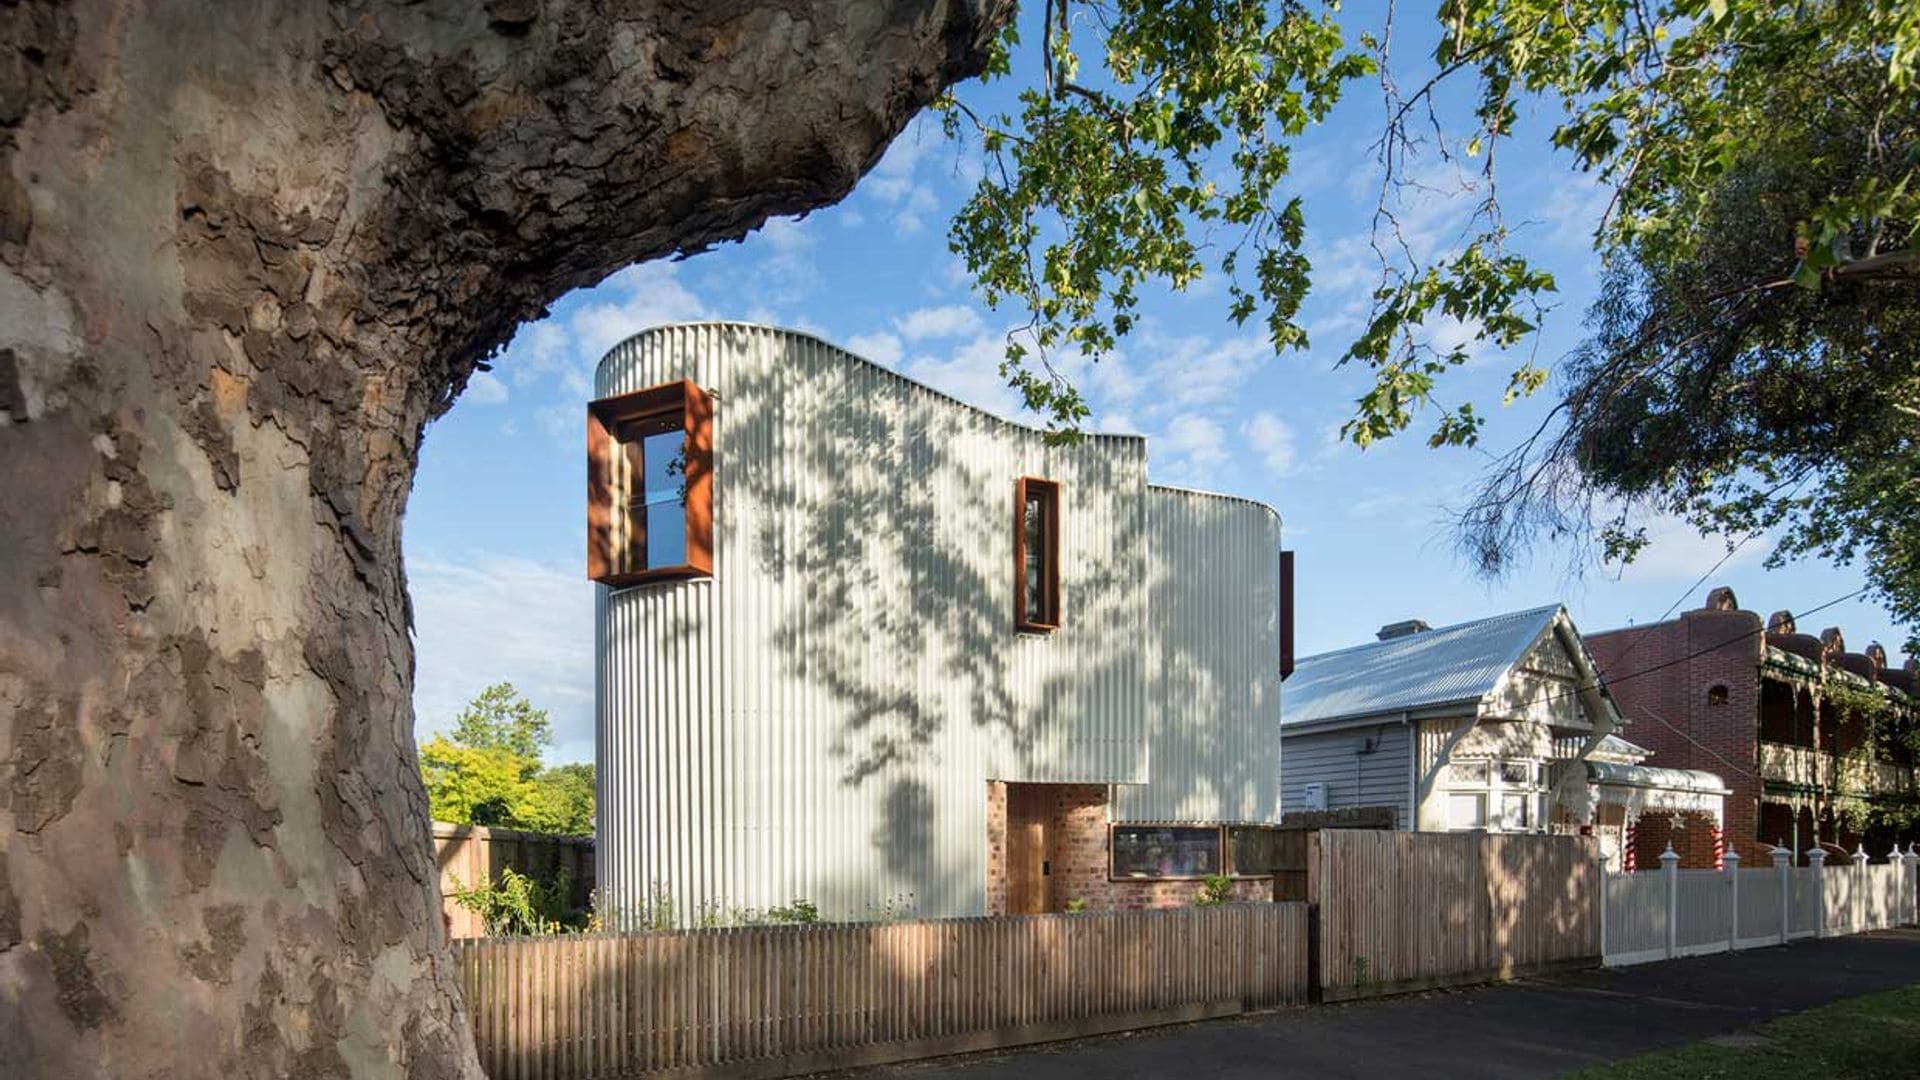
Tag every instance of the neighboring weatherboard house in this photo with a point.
(861, 644)
(1460, 728)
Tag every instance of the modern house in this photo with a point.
(862, 644)
(1501, 724)
(1812, 738)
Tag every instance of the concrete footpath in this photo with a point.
(1532, 1028)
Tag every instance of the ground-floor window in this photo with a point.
(1165, 851)
(1495, 796)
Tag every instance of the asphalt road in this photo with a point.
(1532, 1028)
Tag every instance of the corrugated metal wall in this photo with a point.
(819, 719)
(1380, 778)
(1214, 645)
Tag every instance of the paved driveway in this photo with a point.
(1532, 1028)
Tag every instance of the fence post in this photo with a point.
(1860, 880)
(1911, 891)
(1783, 865)
(1670, 871)
(1817, 862)
(1910, 885)
(1605, 892)
(1897, 908)
(1731, 863)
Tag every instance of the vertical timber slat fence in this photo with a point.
(1405, 911)
(775, 1001)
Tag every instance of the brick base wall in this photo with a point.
(996, 847)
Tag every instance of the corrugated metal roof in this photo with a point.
(1433, 667)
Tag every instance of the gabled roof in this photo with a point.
(1454, 665)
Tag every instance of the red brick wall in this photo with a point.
(1691, 835)
(1077, 854)
(996, 847)
(1651, 672)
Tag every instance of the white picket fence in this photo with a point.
(1671, 912)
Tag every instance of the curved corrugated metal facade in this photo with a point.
(1214, 657)
(819, 719)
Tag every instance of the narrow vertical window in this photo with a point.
(650, 485)
(1036, 554)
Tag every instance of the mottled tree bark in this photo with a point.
(247, 251)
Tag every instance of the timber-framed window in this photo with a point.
(1189, 852)
(1163, 852)
(650, 485)
(1036, 555)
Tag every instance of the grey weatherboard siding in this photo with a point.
(1382, 777)
(819, 719)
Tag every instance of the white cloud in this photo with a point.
(951, 320)
(1192, 371)
(484, 388)
(648, 294)
(1273, 440)
(1191, 449)
(972, 374)
(1678, 554)
(487, 617)
(896, 182)
(880, 347)
(1380, 502)
(562, 349)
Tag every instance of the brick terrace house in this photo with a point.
(1781, 715)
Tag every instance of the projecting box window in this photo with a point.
(650, 485)
(1036, 555)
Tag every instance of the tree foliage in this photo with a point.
(489, 771)
(500, 718)
(1758, 161)
(1741, 382)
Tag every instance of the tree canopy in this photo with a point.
(1152, 145)
(489, 771)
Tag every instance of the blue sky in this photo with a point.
(495, 533)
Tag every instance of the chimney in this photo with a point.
(1781, 623)
(1877, 653)
(1832, 641)
(1404, 628)
(1721, 599)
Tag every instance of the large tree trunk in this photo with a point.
(247, 250)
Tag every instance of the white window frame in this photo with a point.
(1496, 790)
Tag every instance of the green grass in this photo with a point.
(1864, 1038)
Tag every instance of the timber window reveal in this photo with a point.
(1036, 554)
(1145, 852)
(650, 485)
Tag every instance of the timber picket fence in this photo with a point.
(1670, 913)
(776, 1001)
(1407, 911)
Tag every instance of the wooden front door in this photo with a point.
(1028, 891)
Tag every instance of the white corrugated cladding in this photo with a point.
(819, 719)
(1213, 719)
